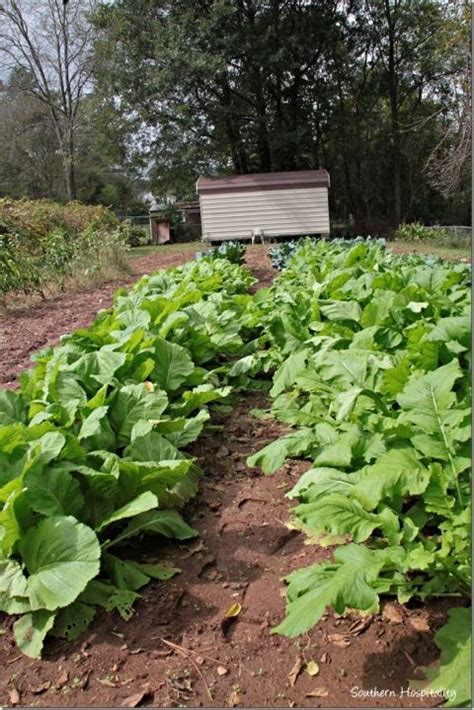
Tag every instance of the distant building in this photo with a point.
(264, 205)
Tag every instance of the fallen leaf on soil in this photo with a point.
(41, 688)
(193, 550)
(391, 613)
(312, 668)
(359, 625)
(233, 700)
(339, 640)
(318, 693)
(134, 700)
(232, 611)
(295, 671)
(14, 696)
(62, 680)
(419, 623)
(221, 670)
(107, 682)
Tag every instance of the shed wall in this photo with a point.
(292, 211)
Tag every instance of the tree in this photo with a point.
(50, 44)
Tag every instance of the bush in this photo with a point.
(415, 232)
(43, 242)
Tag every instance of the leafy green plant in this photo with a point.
(232, 251)
(370, 353)
(91, 446)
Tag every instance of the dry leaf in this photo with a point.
(391, 613)
(232, 611)
(295, 671)
(134, 700)
(221, 670)
(107, 682)
(14, 696)
(419, 623)
(62, 680)
(339, 640)
(359, 625)
(312, 668)
(318, 693)
(41, 688)
(233, 700)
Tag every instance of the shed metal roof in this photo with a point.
(263, 181)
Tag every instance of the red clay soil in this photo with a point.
(178, 651)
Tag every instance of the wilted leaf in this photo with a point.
(295, 671)
(232, 611)
(312, 668)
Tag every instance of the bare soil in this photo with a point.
(177, 650)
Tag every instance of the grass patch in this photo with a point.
(443, 252)
(135, 252)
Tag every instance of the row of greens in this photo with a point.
(370, 354)
(91, 446)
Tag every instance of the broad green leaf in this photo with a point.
(61, 556)
(30, 631)
(286, 375)
(53, 491)
(454, 670)
(12, 407)
(145, 501)
(163, 522)
(349, 582)
(173, 364)
(72, 621)
(132, 404)
(124, 574)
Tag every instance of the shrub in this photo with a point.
(43, 242)
(415, 232)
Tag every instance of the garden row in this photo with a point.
(365, 355)
(91, 446)
(372, 359)
(44, 243)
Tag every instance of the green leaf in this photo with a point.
(286, 375)
(457, 328)
(272, 456)
(53, 492)
(454, 671)
(342, 310)
(173, 364)
(12, 407)
(31, 630)
(339, 515)
(72, 621)
(163, 522)
(132, 404)
(349, 582)
(142, 503)
(61, 556)
(124, 574)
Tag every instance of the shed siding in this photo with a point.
(293, 211)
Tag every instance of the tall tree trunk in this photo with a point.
(394, 119)
(70, 168)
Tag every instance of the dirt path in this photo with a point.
(243, 550)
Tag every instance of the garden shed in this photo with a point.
(264, 205)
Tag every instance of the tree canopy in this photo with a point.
(375, 91)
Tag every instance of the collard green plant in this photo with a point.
(91, 446)
(370, 354)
